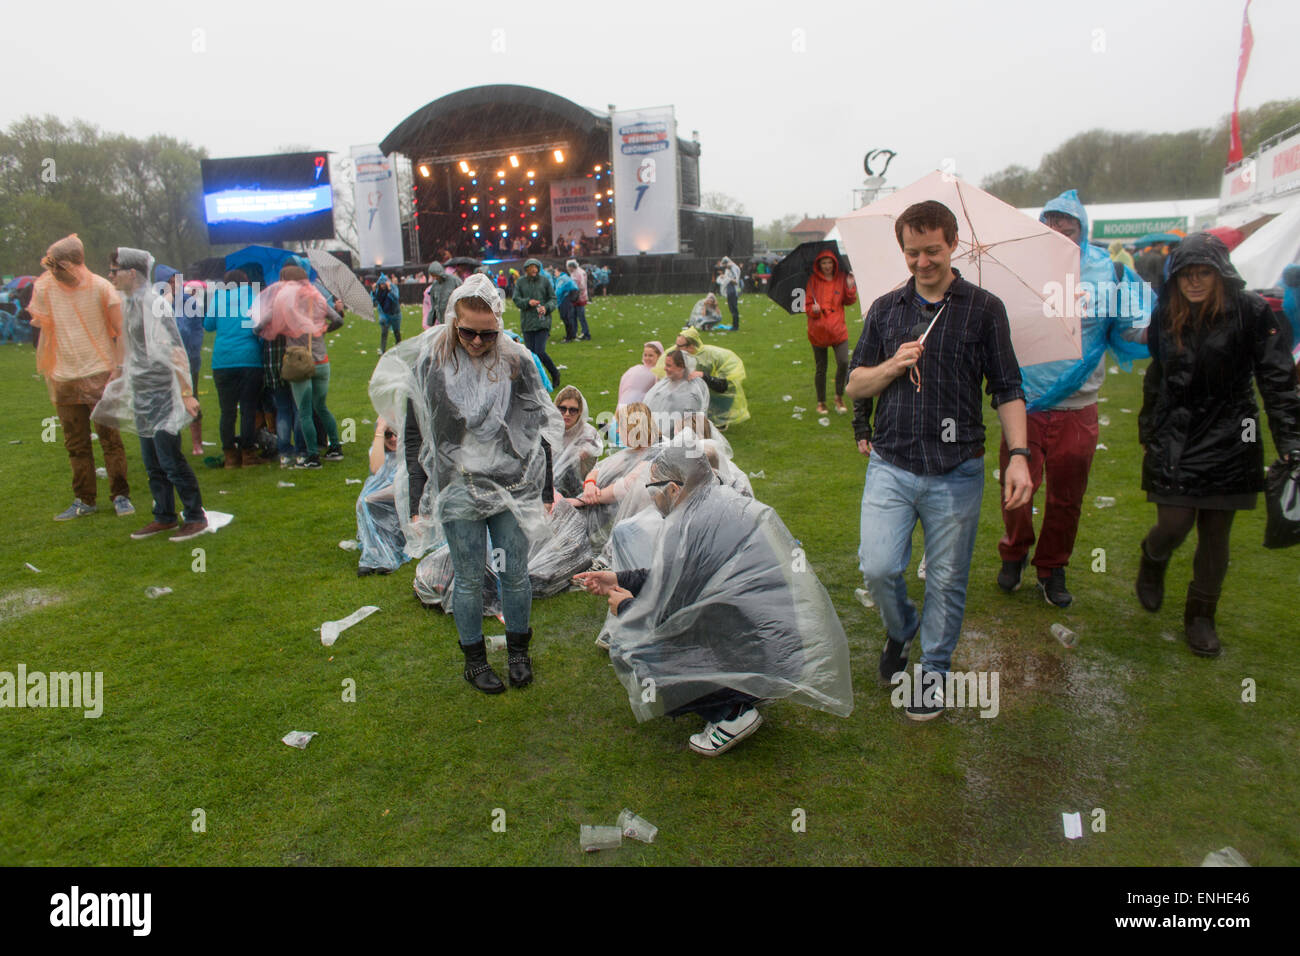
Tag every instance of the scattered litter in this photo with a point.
(565, 368)
(824, 422)
(1168, 636)
(797, 409)
(1103, 399)
(797, 415)
(348, 545)
(1035, 509)
(156, 592)
(864, 597)
(101, 472)
(330, 630)
(495, 642)
(222, 491)
(94, 436)
(758, 474)
(352, 481)
(777, 345)
(217, 520)
(1104, 502)
(797, 362)
(920, 568)
(1225, 857)
(31, 567)
(635, 828)
(1127, 411)
(621, 341)
(1073, 826)
(1066, 636)
(1102, 447)
(786, 398)
(366, 421)
(285, 484)
(16, 441)
(209, 444)
(1114, 370)
(600, 838)
(298, 738)
(363, 351)
(1103, 420)
(605, 392)
(997, 474)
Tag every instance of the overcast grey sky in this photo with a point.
(787, 97)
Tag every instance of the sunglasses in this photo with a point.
(487, 336)
(569, 409)
(659, 484)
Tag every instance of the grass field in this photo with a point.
(200, 684)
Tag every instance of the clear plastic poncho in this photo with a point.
(626, 472)
(728, 603)
(378, 528)
(672, 401)
(147, 397)
(705, 314)
(481, 424)
(582, 446)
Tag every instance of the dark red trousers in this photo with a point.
(1061, 446)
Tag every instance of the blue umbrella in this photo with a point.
(1157, 239)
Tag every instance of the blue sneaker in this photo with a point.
(78, 509)
(122, 505)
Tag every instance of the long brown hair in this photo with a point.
(1184, 315)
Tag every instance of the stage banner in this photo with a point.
(379, 227)
(573, 209)
(644, 147)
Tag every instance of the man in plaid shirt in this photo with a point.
(924, 351)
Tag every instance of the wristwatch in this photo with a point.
(1021, 451)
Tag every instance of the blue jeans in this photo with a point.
(467, 542)
(734, 305)
(170, 474)
(286, 414)
(948, 507)
(310, 396)
(580, 318)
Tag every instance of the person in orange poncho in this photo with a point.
(79, 316)
(828, 291)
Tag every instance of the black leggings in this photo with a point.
(1210, 564)
(841, 369)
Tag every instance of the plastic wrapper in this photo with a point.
(582, 446)
(146, 397)
(481, 424)
(727, 605)
(379, 531)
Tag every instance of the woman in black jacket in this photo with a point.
(1209, 340)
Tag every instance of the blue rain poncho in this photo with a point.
(1115, 317)
(728, 603)
(378, 528)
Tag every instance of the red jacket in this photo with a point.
(827, 329)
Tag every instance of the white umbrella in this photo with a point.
(1032, 269)
(339, 279)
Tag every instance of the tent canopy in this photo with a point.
(1269, 250)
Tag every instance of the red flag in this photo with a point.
(1235, 152)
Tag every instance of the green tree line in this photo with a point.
(111, 189)
(1108, 166)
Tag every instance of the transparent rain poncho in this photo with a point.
(706, 313)
(378, 529)
(147, 397)
(626, 473)
(582, 446)
(480, 423)
(671, 402)
(292, 308)
(729, 602)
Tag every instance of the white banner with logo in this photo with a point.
(379, 227)
(573, 209)
(644, 147)
(1271, 172)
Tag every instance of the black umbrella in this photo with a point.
(790, 275)
(463, 261)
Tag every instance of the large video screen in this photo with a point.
(268, 198)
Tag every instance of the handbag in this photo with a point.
(1282, 498)
(297, 364)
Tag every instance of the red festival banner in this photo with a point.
(1235, 152)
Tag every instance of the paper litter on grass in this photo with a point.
(284, 484)
(348, 545)
(330, 630)
(786, 398)
(298, 738)
(352, 481)
(1073, 825)
(1102, 447)
(758, 474)
(31, 567)
(824, 422)
(217, 520)
(1225, 857)
(101, 472)
(156, 592)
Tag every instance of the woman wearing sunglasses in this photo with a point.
(1211, 342)
(582, 443)
(478, 428)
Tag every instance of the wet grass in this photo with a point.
(201, 684)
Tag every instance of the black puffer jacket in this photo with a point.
(1199, 412)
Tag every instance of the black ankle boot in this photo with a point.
(1198, 623)
(478, 671)
(520, 664)
(1151, 580)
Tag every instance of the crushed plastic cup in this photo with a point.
(1104, 501)
(1225, 857)
(797, 415)
(284, 484)
(352, 481)
(787, 398)
(348, 545)
(635, 828)
(298, 738)
(101, 472)
(758, 474)
(824, 422)
(1102, 447)
(330, 630)
(797, 408)
(156, 592)
(31, 567)
(864, 597)
(495, 642)
(997, 474)
(1103, 419)
(599, 838)
(1066, 636)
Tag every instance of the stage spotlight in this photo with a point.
(424, 170)
(598, 167)
(464, 166)
(530, 174)
(501, 173)
(514, 162)
(559, 155)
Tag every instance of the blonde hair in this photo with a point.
(447, 351)
(646, 428)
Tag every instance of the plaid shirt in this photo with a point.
(935, 429)
(272, 356)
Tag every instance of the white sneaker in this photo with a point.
(718, 738)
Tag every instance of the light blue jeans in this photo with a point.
(948, 507)
(467, 542)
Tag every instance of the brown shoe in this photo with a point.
(153, 528)
(232, 457)
(249, 458)
(190, 529)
